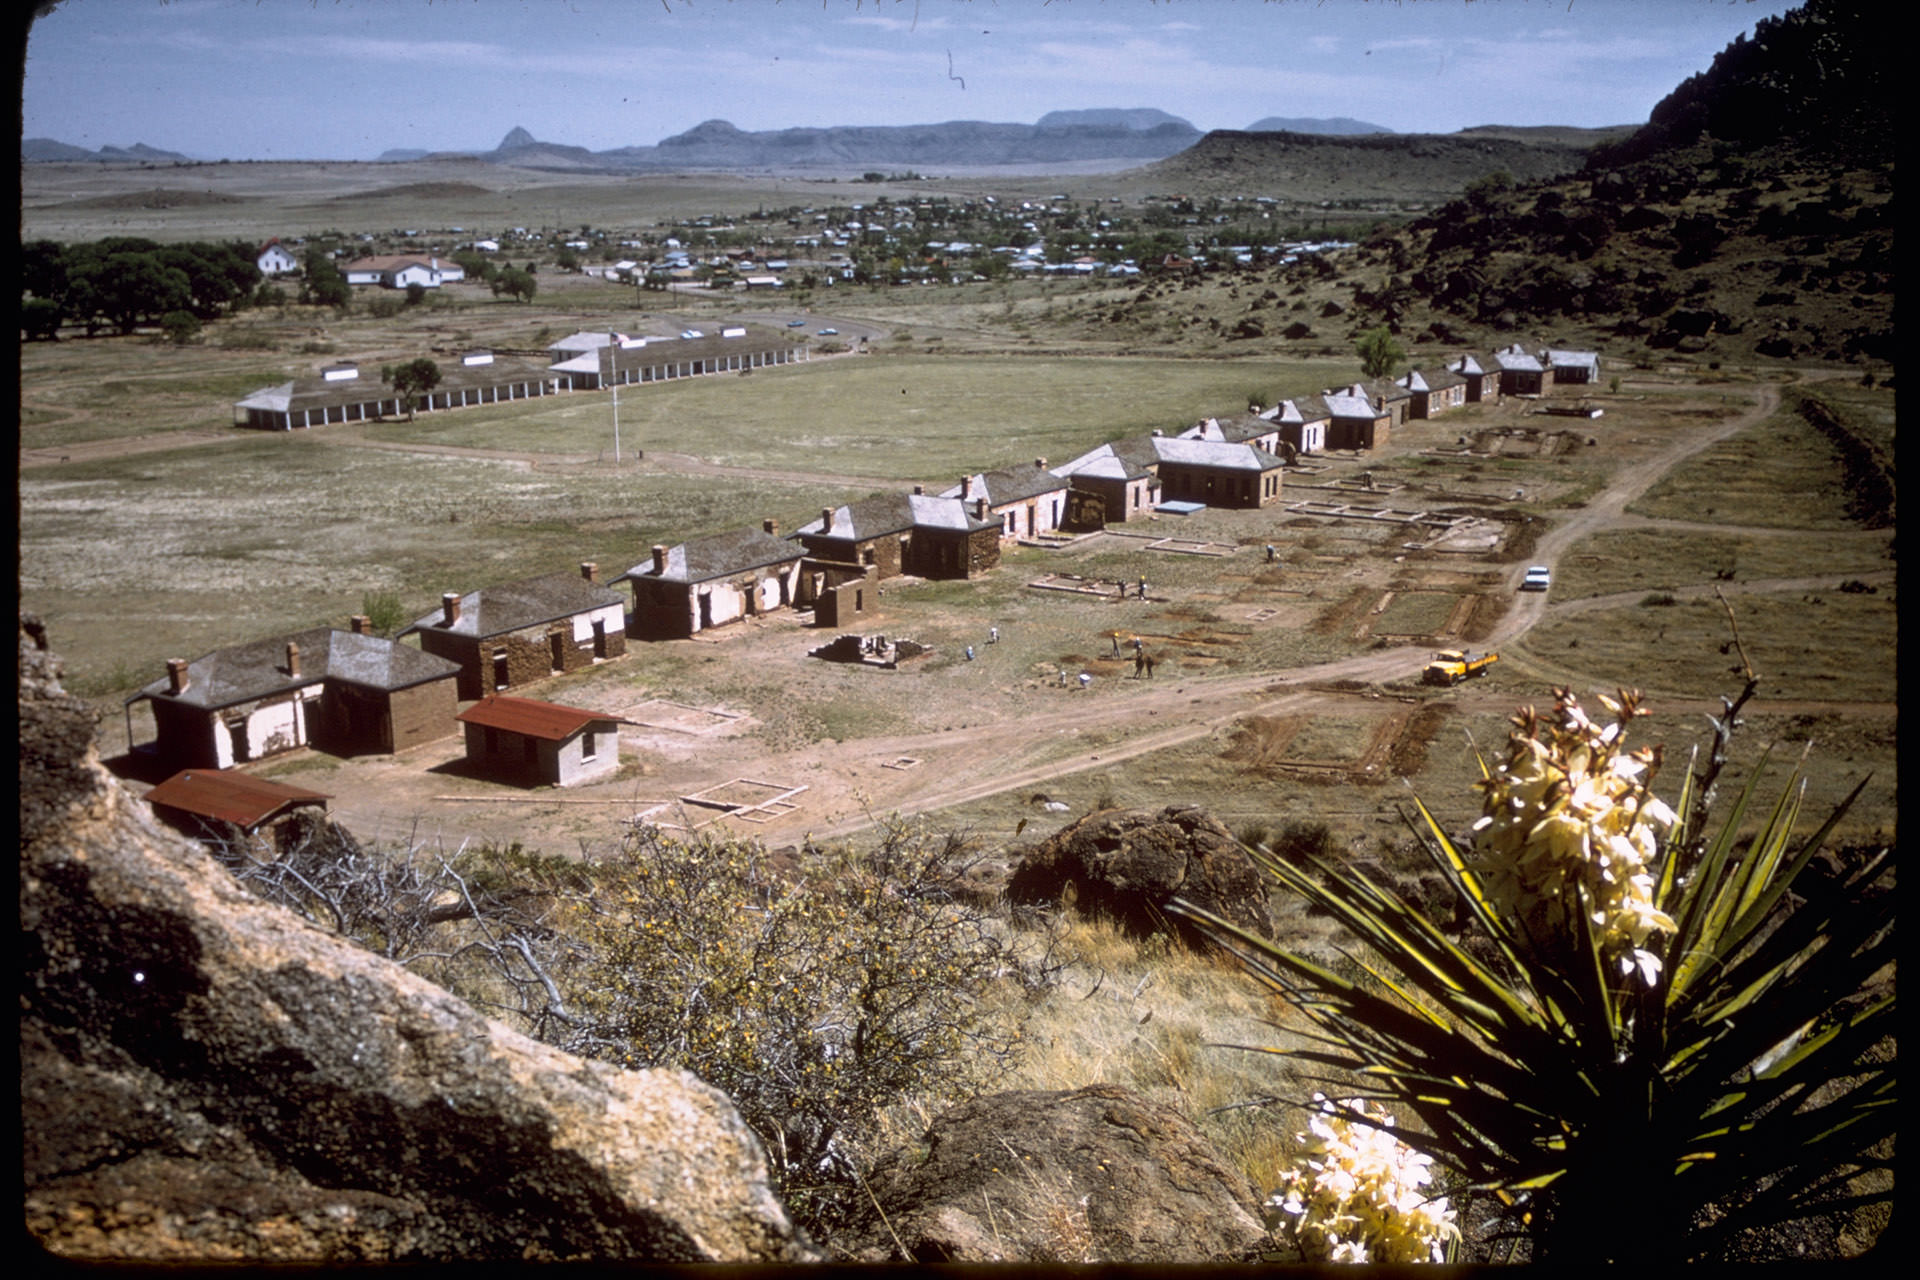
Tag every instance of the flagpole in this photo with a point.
(613, 375)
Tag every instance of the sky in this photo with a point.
(350, 79)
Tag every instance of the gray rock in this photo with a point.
(205, 1077)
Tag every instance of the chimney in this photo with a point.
(826, 519)
(361, 624)
(772, 527)
(449, 608)
(590, 571)
(293, 660)
(919, 491)
(966, 487)
(177, 675)
(659, 558)
(1039, 464)
(979, 508)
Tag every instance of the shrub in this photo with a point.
(1647, 1004)
(815, 996)
(385, 610)
(384, 306)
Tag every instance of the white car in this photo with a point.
(1538, 578)
(692, 333)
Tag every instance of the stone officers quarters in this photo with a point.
(900, 533)
(1027, 501)
(342, 394)
(1356, 419)
(708, 582)
(540, 744)
(1257, 430)
(506, 636)
(236, 810)
(1131, 477)
(1482, 376)
(343, 692)
(1572, 367)
(1302, 426)
(1434, 391)
(1522, 373)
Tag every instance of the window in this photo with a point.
(589, 748)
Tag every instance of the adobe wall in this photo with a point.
(422, 714)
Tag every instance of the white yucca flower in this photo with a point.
(1355, 1194)
(1569, 810)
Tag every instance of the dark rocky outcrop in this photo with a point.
(205, 1077)
(1086, 1175)
(1130, 865)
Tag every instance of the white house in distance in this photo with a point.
(399, 270)
(532, 743)
(275, 259)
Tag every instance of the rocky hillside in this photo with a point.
(1390, 167)
(205, 1078)
(1752, 216)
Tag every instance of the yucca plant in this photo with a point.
(1650, 1031)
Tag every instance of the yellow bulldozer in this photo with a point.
(1451, 666)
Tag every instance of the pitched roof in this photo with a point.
(1009, 484)
(258, 668)
(1572, 359)
(531, 718)
(887, 513)
(1238, 428)
(1518, 359)
(493, 611)
(318, 393)
(1431, 380)
(718, 555)
(1472, 366)
(230, 796)
(1217, 454)
(1353, 402)
(1305, 409)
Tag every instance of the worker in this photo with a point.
(1116, 644)
(1149, 666)
(969, 653)
(1143, 588)
(993, 635)
(1086, 681)
(1139, 664)
(1269, 553)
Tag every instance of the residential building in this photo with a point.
(693, 586)
(510, 635)
(1303, 425)
(1572, 366)
(235, 810)
(1482, 375)
(1433, 391)
(341, 394)
(275, 259)
(533, 744)
(1027, 501)
(399, 270)
(346, 693)
(900, 533)
(1521, 372)
(1356, 418)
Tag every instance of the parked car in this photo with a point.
(692, 333)
(828, 333)
(1538, 578)
(796, 324)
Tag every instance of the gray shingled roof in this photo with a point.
(890, 513)
(719, 555)
(258, 669)
(1010, 484)
(493, 611)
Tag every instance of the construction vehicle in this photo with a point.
(1451, 666)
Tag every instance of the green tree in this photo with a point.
(323, 285)
(412, 380)
(1380, 353)
(515, 284)
(181, 327)
(567, 260)
(416, 293)
(40, 318)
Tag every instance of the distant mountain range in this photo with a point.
(1133, 135)
(48, 149)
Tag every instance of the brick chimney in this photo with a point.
(772, 527)
(1039, 464)
(979, 508)
(177, 680)
(293, 660)
(919, 491)
(360, 624)
(966, 487)
(449, 608)
(590, 571)
(659, 558)
(826, 519)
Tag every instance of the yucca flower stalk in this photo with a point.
(1679, 1037)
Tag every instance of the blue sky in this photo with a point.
(348, 79)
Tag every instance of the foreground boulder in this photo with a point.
(1099, 1174)
(1129, 865)
(205, 1077)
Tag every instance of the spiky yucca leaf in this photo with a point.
(1751, 1084)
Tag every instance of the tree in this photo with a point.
(416, 293)
(1380, 354)
(567, 260)
(324, 285)
(515, 284)
(181, 327)
(412, 380)
(40, 318)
